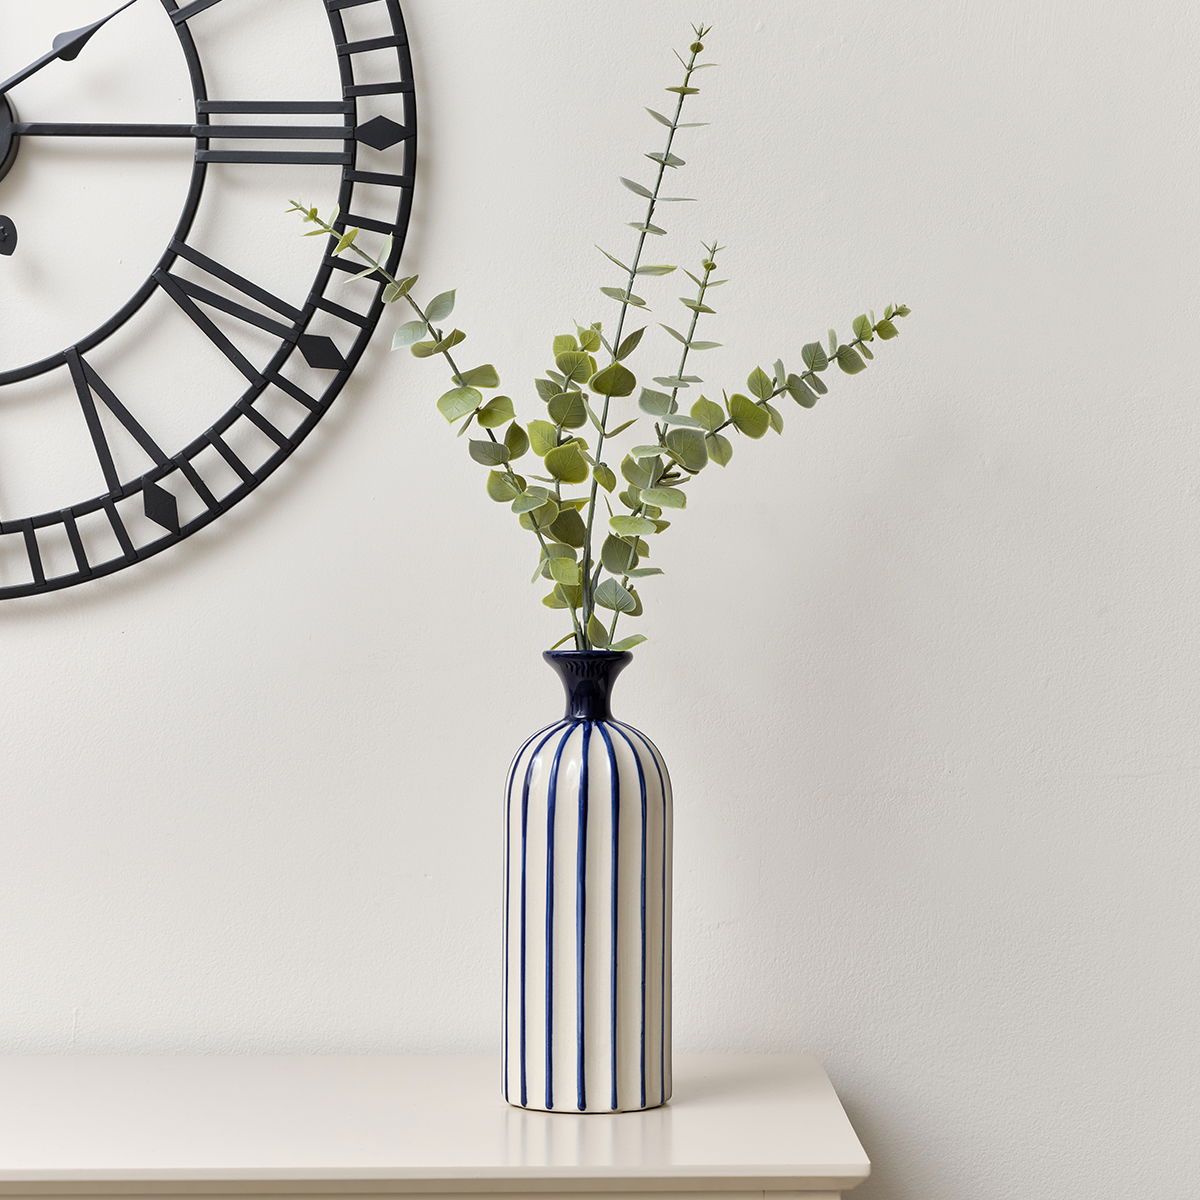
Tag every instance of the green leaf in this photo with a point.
(575, 365)
(664, 159)
(618, 555)
(564, 343)
(682, 419)
(688, 449)
(833, 341)
(684, 91)
(639, 472)
(647, 228)
(623, 296)
(902, 310)
(480, 377)
(424, 349)
(408, 333)
(710, 415)
(449, 342)
(614, 380)
(637, 189)
(589, 340)
(501, 488)
(529, 499)
(645, 451)
(457, 403)
(657, 404)
(564, 571)
(656, 270)
(705, 345)
(661, 119)
(613, 259)
(345, 241)
(760, 384)
(569, 528)
(695, 305)
(597, 633)
(748, 418)
(629, 344)
(516, 441)
(490, 454)
(850, 360)
(540, 518)
(775, 417)
(887, 330)
(567, 464)
(679, 337)
(815, 358)
(863, 328)
(645, 572)
(399, 289)
(800, 391)
(632, 526)
(610, 594)
(440, 307)
(496, 412)
(612, 433)
(720, 448)
(568, 409)
(665, 497)
(628, 643)
(543, 437)
(603, 474)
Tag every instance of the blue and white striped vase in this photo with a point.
(587, 907)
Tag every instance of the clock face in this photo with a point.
(167, 339)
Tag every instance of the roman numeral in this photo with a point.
(276, 133)
(190, 295)
(90, 388)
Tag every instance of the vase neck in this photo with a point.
(587, 677)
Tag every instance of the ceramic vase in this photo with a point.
(587, 907)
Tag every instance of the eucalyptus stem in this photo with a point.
(586, 570)
(387, 276)
(709, 266)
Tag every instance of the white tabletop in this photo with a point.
(408, 1124)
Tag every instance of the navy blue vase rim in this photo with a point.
(588, 677)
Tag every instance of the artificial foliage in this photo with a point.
(596, 510)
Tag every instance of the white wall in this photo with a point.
(926, 669)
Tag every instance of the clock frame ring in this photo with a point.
(336, 364)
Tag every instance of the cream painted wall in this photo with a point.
(926, 669)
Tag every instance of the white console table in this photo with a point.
(417, 1127)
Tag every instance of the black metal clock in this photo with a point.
(150, 456)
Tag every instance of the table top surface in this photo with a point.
(771, 1120)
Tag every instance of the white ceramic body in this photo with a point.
(587, 921)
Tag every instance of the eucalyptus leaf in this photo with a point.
(634, 639)
(657, 404)
(603, 475)
(440, 307)
(516, 441)
(596, 632)
(480, 377)
(748, 418)
(688, 449)
(490, 454)
(568, 410)
(569, 528)
(850, 360)
(760, 384)
(613, 380)
(632, 526)
(567, 464)
(709, 414)
(665, 497)
(458, 402)
(618, 555)
(496, 412)
(610, 594)
(637, 189)
(720, 448)
(408, 333)
(502, 488)
(543, 437)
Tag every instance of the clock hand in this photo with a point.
(65, 46)
(64, 129)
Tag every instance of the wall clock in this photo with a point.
(165, 344)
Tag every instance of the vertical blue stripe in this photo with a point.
(645, 834)
(524, 899)
(662, 789)
(512, 775)
(551, 809)
(581, 923)
(615, 783)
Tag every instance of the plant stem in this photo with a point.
(588, 592)
(385, 274)
(709, 266)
